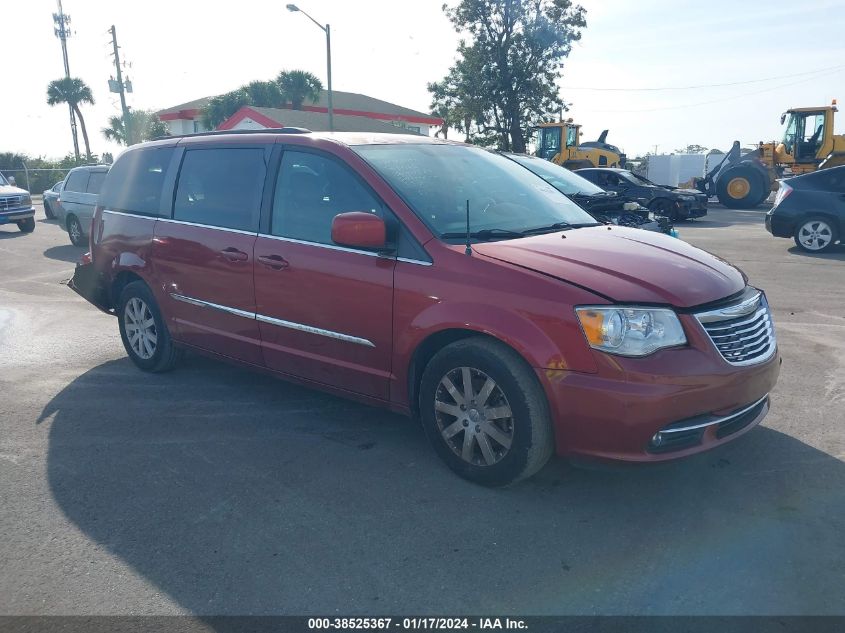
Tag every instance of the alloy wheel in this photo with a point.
(473, 416)
(815, 235)
(75, 231)
(140, 328)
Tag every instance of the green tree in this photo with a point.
(299, 86)
(692, 149)
(265, 94)
(144, 124)
(511, 63)
(222, 107)
(73, 91)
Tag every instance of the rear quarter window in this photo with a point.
(77, 181)
(134, 183)
(95, 181)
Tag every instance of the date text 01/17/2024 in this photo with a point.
(413, 624)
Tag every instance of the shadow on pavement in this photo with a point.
(237, 493)
(836, 252)
(65, 253)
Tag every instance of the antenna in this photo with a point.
(468, 250)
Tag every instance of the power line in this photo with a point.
(733, 83)
(740, 96)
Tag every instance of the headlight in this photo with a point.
(26, 200)
(630, 331)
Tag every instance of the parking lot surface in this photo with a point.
(216, 490)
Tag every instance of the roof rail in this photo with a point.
(269, 130)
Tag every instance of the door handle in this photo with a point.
(234, 255)
(276, 262)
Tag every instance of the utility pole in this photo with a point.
(121, 88)
(62, 32)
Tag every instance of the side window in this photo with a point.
(310, 191)
(135, 181)
(77, 181)
(221, 187)
(95, 181)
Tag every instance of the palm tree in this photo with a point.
(299, 85)
(145, 126)
(73, 91)
(264, 94)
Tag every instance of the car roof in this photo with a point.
(298, 135)
(614, 169)
(90, 168)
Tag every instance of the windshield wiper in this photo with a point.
(557, 226)
(484, 234)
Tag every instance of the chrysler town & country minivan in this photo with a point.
(436, 279)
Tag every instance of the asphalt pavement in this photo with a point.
(216, 490)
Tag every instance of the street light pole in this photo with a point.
(328, 31)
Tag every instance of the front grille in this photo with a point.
(12, 202)
(745, 339)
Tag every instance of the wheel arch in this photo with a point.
(120, 281)
(826, 215)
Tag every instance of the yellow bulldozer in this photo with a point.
(742, 181)
(560, 143)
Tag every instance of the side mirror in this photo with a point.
(359, 230)
(12, 180)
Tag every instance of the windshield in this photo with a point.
(437, 181)
(635, 178)
(3, 180)
(558, 177)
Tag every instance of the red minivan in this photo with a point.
(437, 279)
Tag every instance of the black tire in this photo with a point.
(48, 210)
(825, 229)
(75, 231)
(26, 226)
(664, 207)
(528, 430)
(165, 355)
(741, 187)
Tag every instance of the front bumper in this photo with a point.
(16, 215)
(693, 209)
(615, 413)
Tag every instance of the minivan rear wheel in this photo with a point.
(485, 413)
(143, 330)
(75, 232)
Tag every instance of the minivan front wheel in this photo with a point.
(485, 413)
(74, 231)
(143, 331)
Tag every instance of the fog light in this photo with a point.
(657, 439)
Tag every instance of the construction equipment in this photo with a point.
(743, 181)
(560, 143)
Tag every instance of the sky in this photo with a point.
(779, 53)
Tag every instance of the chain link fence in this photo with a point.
(35, 180)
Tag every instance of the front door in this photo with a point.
(204, 254)
(324, 311)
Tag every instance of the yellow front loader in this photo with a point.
(560, 143)
(808, 143)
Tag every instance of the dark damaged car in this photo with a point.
(676, 204)
(604, 206)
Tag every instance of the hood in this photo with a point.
(9, 190)
(627, 265)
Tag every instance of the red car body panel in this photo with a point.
(334, 290)
(211, 265)
(522, 292)
(629, 265)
